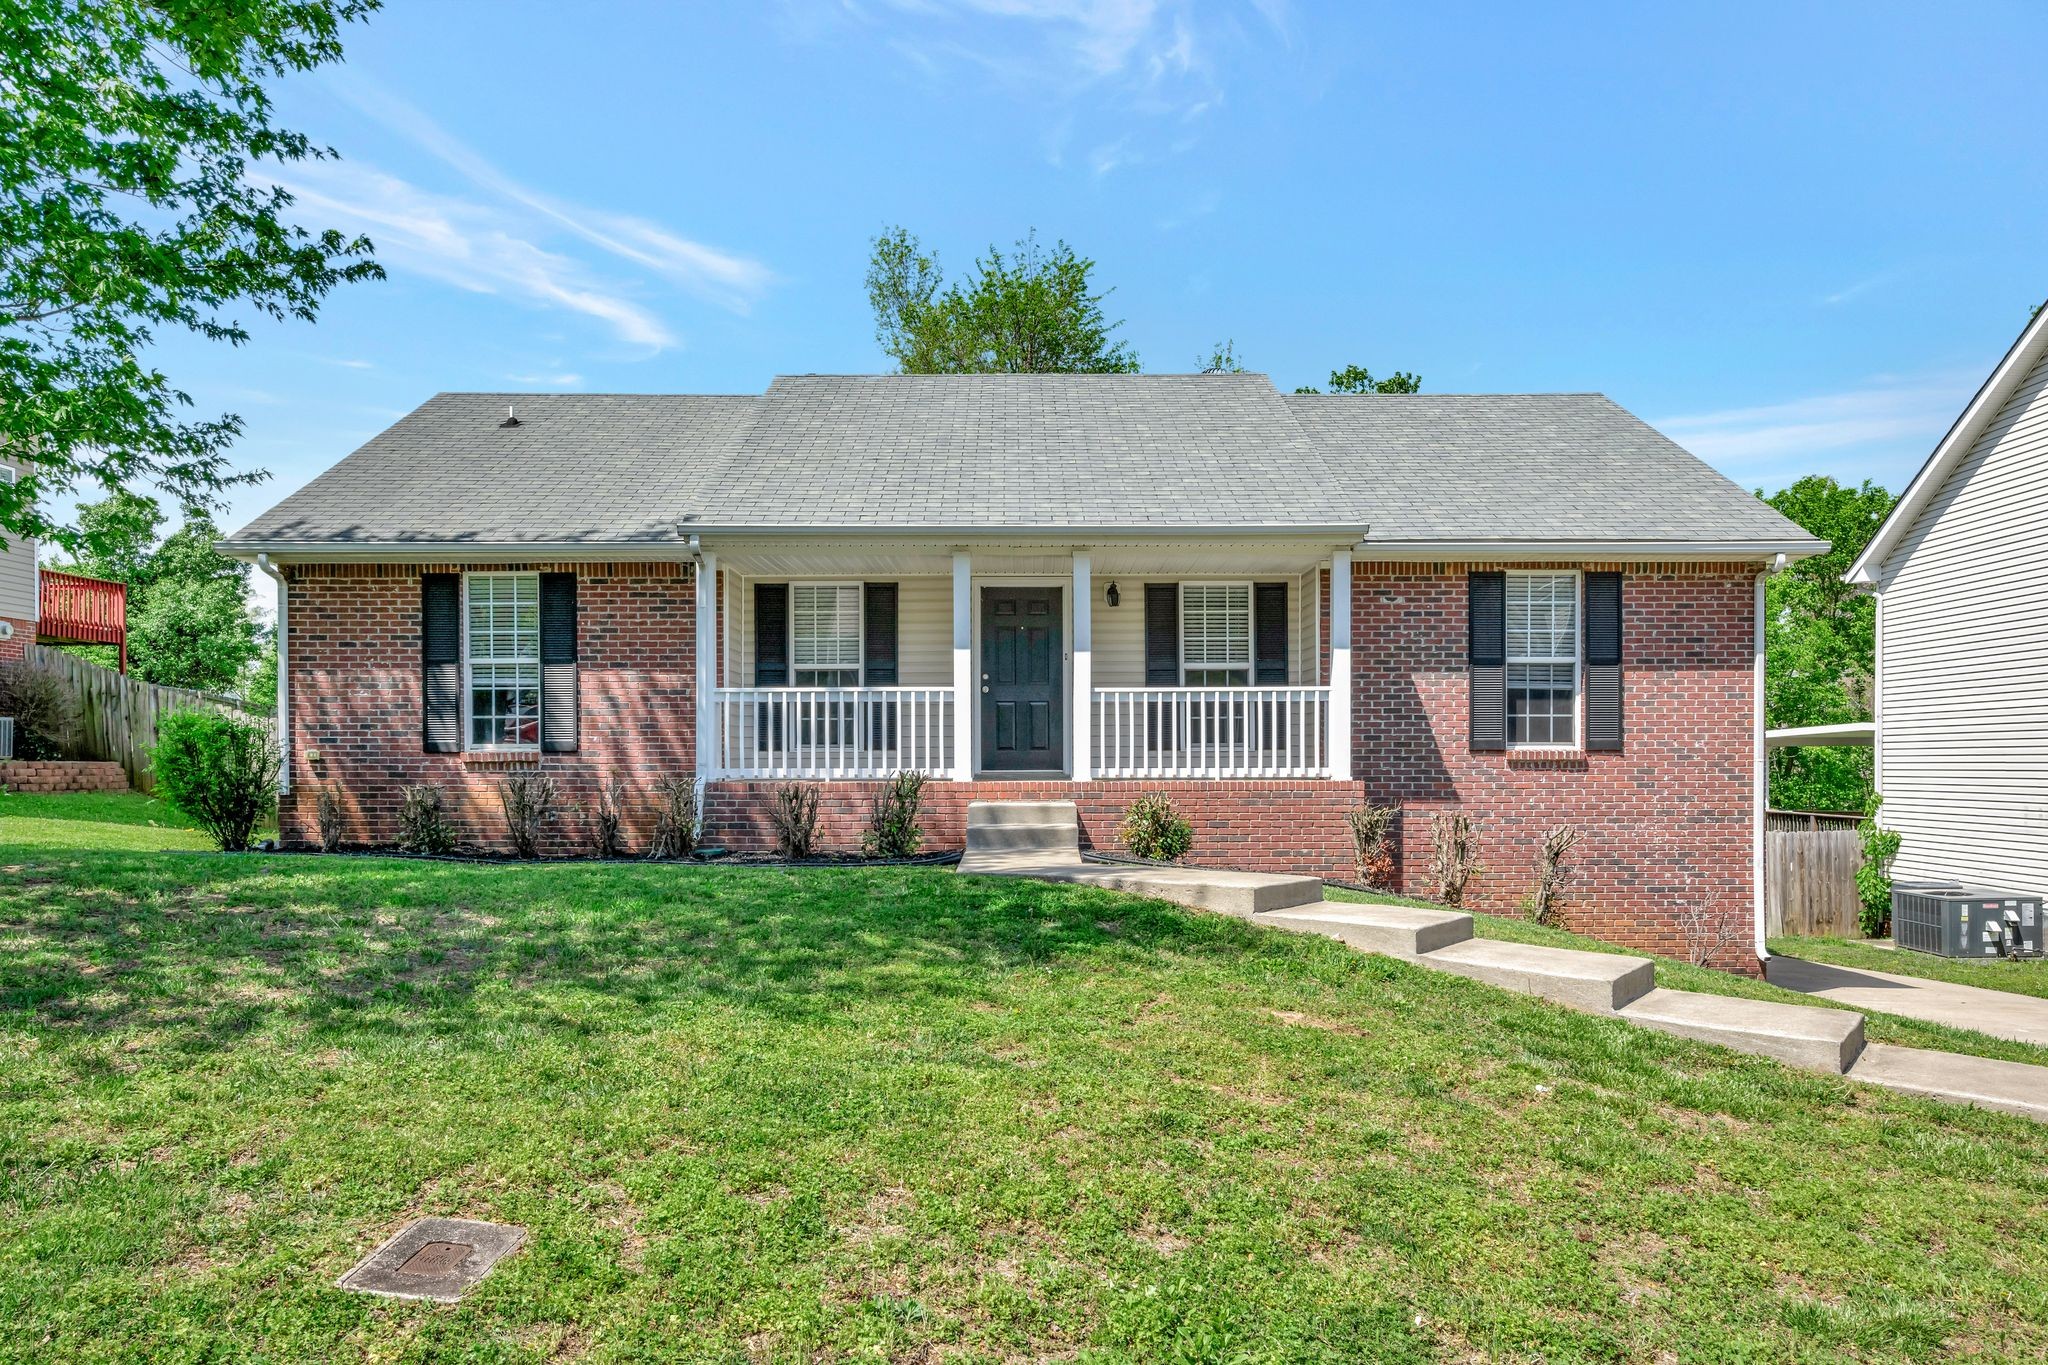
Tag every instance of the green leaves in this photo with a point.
(132, 138)
(1358, 379)
(1033, 312)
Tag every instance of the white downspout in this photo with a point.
(284, 708)
(1760, 774)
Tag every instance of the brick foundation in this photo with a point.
(61, 775)
(24, 635)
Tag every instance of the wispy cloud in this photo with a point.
(1859, 288)
(1879, 430)
(564, 379)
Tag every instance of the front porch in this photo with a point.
(1133, 661)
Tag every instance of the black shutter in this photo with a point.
(1486, 601)
(771, 660)
(1269, 634)
(560, 726)
(441, 662)
(878, 653)
(1162, 635)
(771, 635)
(1603, 661)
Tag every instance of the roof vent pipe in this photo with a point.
(511, 416)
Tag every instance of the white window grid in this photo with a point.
(501, 660)
(825, 633)
(1215, 631)
(1543, 691)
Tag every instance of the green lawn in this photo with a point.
(753, 1115)
(1997, 974)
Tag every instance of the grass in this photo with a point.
(748, 1114)
(1682, 975)
(1995, 974)
(98, 820)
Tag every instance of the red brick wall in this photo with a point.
(1664, 823)
(24, 635)
(61, 775)
(356, 701)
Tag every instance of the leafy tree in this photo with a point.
(1035, 311)
(132, 141)
(1222, 359)
(1820, 643)
(1358, 379)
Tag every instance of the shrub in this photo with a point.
(530, 798)
(675, 817)
(1551, 873)
(423, 820)
(1153, 829)
(218, 769)
(796, 820)
(327, 815)
(605, 819)
(1874, 873)
(1452, 857)
(45, 713)
(893, 831)
(1372, 843)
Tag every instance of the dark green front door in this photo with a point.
(1021, 669)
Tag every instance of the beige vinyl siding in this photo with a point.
(1963, 711)
(924, 630)
(18, 575)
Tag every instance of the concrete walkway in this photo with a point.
(2002, 1014)
(1041, 840)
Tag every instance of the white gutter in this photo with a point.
(1787, 550)
(1848, 734)
(284, 709)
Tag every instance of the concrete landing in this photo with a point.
(1601, 982)
(1242, 894)
(2002, 1014)
(1396, 930)
(1805, 1036)
(2010, 1087)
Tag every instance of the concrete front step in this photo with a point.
(1396, 930)
(982, 814)
(1807, 1036)
(1601, 982)
(1004, 837)
(2010, 1087)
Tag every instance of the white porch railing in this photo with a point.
(828, 732)
(1211, 731)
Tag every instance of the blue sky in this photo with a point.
(1795, 237)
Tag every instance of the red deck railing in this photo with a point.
(83, 611)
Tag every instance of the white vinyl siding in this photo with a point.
(1963, 677)
(501, 660)
(1543, 659)
(17, 570)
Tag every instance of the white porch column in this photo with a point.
(1340, 665)
(1082, 726)
(963, 666)
(709, 760)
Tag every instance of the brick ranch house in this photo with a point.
(1534, 609)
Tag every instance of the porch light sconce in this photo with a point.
(1111, 594)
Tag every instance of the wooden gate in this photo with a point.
(1810, 862)
(118, 714)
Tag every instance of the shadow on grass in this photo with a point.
(202, 951)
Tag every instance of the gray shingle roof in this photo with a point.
(1025, 452)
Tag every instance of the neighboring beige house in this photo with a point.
(17, 585)
(1960, 572)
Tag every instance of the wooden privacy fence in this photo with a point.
(1810, 862)
(118, 714)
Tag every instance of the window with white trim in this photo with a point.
(501, 659)
(1543, 659)
(824, 634)
(1215, 634)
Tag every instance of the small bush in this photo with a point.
(1372, 844)
(327, 815)
(1452, 857)
(606, 820)
(675, 817)
(796, 821)
(1874, 873)
(218, 769)
(45, 713)
(530, 798)
(423, 821)
(893, 831)
(1153, 829)
(1551, 873)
